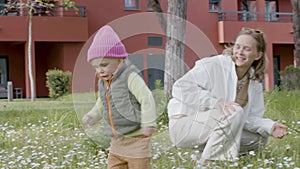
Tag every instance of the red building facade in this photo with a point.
(61, 40)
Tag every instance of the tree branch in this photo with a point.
(159, 13)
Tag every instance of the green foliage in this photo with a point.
(44, 134)
(70, 4)
(37, 7)
(158, 85)
(48, 134)
(161, 102)
(98, 145)
(290, 78)
(58, 82)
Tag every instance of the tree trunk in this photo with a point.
(174, 57)
(32, 86)
(296, 25)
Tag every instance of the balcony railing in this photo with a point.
(255, 16)
(76, 11)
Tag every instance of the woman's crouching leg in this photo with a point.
(192, 131)
(223, 142)
(251, 141)
(184, 134)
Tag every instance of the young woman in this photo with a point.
(218, 106)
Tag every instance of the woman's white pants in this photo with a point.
(217, 135)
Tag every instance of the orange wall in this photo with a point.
(207, 22)
(10, 31)
(63, 29)
(274, 32)
(70, 54)
(53, 56)
(15, 53)
(15, 61)
(44, 28)
(284, 6)
(48, 56)
(101, 12)
(41, 59)
(72, 32)
(286, 54)
(197, 15)
(132, 46)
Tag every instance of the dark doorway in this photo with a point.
(3, 76)
(276, 67)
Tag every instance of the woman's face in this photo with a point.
(105, 67)
(245, 51)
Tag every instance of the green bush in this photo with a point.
(58, 82)
(290, 78)
(158, 85)
(161, 102)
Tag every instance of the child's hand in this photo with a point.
(279, 130)
(87, 119)
(148, 131)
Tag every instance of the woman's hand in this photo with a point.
(148, 131)
(226, 107)
(279, 130)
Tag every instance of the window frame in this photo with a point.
(211, 5)
(136, 7)
(155, 41)
(2, 5)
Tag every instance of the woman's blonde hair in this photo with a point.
(260, 65)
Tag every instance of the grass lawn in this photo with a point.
(48, 134)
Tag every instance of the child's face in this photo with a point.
(105, 67)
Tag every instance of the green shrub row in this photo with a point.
(290, 78)
(58, 82)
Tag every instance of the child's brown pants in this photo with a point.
(119, 162)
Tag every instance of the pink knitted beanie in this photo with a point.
(106, 43)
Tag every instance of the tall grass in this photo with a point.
(48, 134)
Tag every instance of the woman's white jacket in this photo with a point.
(214, 79)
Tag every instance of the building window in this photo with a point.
(151, 67)
(271, 9)
(149, 7)
(155, 69)
(249, 10)
(155, 41)
(2, 5)
(131, 4)
(137, 60)
(214, 5)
